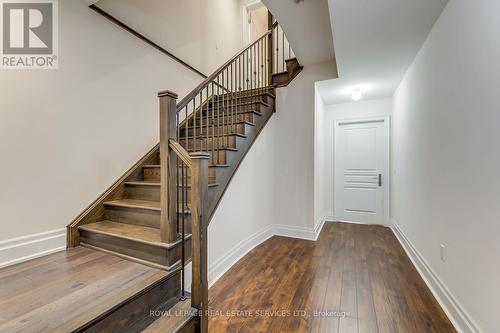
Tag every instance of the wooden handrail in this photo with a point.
(181, 153)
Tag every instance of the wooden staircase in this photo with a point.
(158, 212)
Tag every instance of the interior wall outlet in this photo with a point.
(442, 253)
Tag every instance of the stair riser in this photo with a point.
(151, 175)
(142, 192)
(247, 103)
(292, 66)
(243, 98)
(226, 119)
(234, 128)
(148, 252)
(218, 157)
(207, 143)
(135, 315)
(142, 217)
(145, 217)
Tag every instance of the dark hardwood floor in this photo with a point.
(355, 278)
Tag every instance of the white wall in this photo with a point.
(68, 134)
(294, 170)
(446, 156)
(324, 147)
(247, 208)
(204, 33)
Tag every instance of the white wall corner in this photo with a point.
(460, 319)
(295, 232)
(330, 217)
(16, 250)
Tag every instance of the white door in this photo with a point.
(361, 171)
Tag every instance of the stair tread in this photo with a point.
(135, 203)
(132, 232)
(128, 231)
(142, 183)
(180, 314)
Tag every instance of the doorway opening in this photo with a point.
(255, 20)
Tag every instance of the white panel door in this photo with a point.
(361, 169)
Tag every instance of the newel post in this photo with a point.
(199, 231)
(168, 130)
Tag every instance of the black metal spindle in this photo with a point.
(232, 97)
(206, 114)
(238, 85)
(186, 121)
(194, 125)
(218, 120)
(213, 125)
(254, 72)
(223, 144)
(277, 49)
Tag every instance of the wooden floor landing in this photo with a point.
(357, 278)
(62, 291)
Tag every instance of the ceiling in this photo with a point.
(307, 27)
(375, 43)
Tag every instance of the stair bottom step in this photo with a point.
(134, 242)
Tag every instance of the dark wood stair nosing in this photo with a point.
(116, 203)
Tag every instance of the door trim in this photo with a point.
(385, 173)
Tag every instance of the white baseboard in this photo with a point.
(456, 313)
(16, 250)
(224, 263)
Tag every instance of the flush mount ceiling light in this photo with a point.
(356, 95)
(297, 1)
